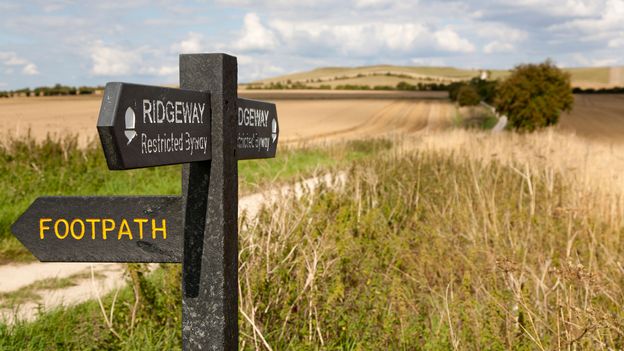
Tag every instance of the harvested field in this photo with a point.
(596, 116)
(351, 119)
(50, 115)
(307, 115)
(304, 115)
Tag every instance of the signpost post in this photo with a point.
(207, 128)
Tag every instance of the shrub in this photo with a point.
(86, 90)
(453, 90)
(485, 88)
(468, 96)
(534, 96)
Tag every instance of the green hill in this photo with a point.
(587, 77)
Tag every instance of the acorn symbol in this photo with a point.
(130, 119)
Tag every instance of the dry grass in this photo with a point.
(454, 240)
(458, 240)
(594, 170)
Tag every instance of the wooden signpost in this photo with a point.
(207, 128)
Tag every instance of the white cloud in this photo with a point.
(111, 60)
(501, 32)
(561, 8)
(168, 70)
(10, 59)
(255, 36)
(30, 69)
(609, 18)
(595, 61)
(428, 61)
(373, 4)
(447, 39)
(252, 68)
(617, 42)
(162, 71)
(501, 37)
(193, 43)
(498, 47)
(366, 39)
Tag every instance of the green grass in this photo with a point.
(420, 251)
(589, 74)
(489, 122)
(475, 117)
(156, 326)
(59, 167)
(32, 292)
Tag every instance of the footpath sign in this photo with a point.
(206, 127)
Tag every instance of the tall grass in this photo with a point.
(434, 249)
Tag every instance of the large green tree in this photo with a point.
(534, 96)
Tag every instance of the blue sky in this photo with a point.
(93, 42)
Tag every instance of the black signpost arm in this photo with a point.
(210, 267)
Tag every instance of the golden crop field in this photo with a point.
(309, 115)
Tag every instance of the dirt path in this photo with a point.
(92, 280)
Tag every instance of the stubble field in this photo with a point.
(598, 117)
(302, 119)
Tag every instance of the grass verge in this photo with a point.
(420, 251)
(29, 169)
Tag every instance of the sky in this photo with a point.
(43, 42)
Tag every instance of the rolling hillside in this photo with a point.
(585, 77)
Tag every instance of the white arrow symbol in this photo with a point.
(274, 130)
(130, 119)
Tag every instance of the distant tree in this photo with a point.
(467, 95)
(534, 96)
(453, 90)
(486, 89)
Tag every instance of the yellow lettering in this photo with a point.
(43, 227)
(106, 228)
(82, 229)
(92, 221)
(124, 229)
(162, 229)
(140, 221)
(56, 226)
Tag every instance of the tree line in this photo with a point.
(56, 90)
